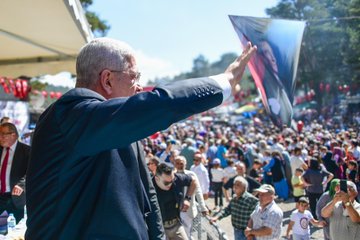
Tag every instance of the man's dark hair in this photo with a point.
(164, 168)
(12, 128)
(155, 160)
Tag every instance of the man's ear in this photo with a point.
(105, 82)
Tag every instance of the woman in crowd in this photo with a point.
(325, 198)
(314, 180)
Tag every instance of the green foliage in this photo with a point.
(37, 85)
(98, 26)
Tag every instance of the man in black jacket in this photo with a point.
(169, 187)
(14, 161)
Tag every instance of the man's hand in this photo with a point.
(322, 224)
(186, 205)
(247, 232)
(236, 70)
(205, 213)
(213, 219)
(205, 196)
(17, 190)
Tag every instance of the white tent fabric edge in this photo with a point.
(49, 47)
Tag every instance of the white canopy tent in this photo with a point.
(41, 36)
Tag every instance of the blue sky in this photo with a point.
(168, 35)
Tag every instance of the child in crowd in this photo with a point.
(217, 183)
(351, 172)
(298, 184)
(255, 171)
(299, 221)
(230, 170)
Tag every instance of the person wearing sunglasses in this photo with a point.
(169, 186)
(87, 163)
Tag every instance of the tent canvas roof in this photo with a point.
(41, 36)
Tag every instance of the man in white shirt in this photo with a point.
(297, 161)
(188, 216)
(202, 174)
(265, 222)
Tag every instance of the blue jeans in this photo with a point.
(239, 234)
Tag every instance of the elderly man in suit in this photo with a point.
(14, 161)
(87, 178)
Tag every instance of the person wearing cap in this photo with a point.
(300, 219)
(217, 183)
(240, 208)
(265, 221)
(344, 214)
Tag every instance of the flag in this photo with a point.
(274, 65)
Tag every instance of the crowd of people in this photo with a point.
(240, 167)
(87, 178)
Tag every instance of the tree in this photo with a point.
(98, 26)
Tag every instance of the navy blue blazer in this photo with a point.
(87, 178)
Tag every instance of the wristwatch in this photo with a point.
(347, 204)
(187, 198)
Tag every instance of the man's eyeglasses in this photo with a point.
(134, 75)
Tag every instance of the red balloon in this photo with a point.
(321, 87)
(327, 88)
(58, 95)
(44, 93)
(52, 94)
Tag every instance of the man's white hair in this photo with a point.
(100, 54)
(243, 181)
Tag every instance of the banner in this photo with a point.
(274, 65)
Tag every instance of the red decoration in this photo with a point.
(155, 135)
(44, 93)
(327, 88)
(300, 126)
(58, 95)
(321, 87)
(52, 94)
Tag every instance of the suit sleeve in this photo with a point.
(118, 122)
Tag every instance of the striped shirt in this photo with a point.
(240, 209)
(271, 216)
